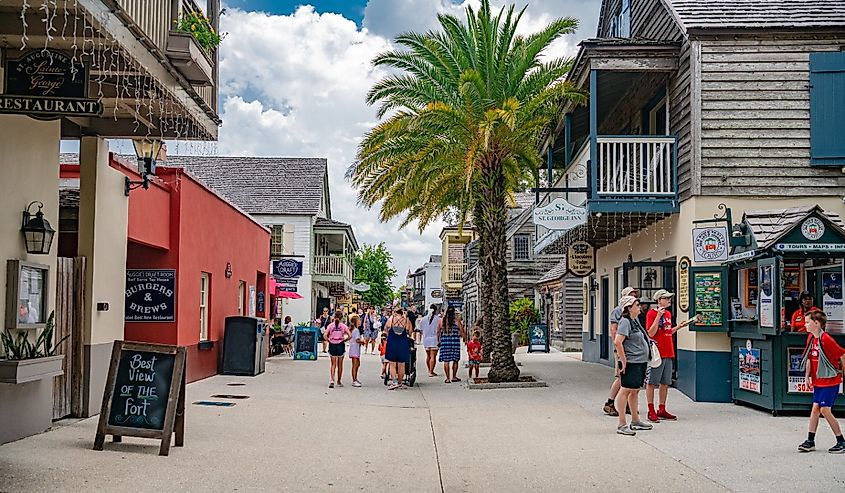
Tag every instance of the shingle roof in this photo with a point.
(330, 223)
(770, 225)
(69, 197)
(261, 185)
(750, 14)
(554, 273)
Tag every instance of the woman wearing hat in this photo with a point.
(632, 350)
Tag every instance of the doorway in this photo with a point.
(647, 278)
(604, 339)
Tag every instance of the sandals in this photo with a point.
(447, 381)
(456, 379)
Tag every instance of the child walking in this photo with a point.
(355, 342)
(824, 376)
(382, 350)
(336, 333)
(474, 353)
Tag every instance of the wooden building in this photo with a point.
(695, 107)
(560, 300)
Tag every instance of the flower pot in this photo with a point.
(189, 58)
(29, 370)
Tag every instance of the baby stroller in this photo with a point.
(410, 367)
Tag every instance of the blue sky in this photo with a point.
(351, 9)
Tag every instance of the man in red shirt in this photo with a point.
(798, 318)
(824, 375)
(658, 322)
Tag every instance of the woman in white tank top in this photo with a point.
(428, 326)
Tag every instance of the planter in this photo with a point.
(30, 370)
(189, 58)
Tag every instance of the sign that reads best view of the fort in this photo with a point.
(47, 83)
(560, 215)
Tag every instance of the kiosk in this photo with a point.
(777, 255)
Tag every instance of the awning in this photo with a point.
(288, 295)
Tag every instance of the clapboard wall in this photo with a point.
(754, 102)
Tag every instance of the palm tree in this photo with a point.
(462, 124)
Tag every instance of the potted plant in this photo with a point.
(27, 361)
(190, 45)
(198, 25)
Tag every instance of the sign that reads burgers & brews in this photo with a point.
(47, 83)
(150, 295)
(710, 244)
(560, 215)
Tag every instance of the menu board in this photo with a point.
(305, 343)
(707, 288)
(796, 383)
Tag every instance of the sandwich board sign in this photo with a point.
(144, 395)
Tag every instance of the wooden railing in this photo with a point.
(455, 272)
(331, 265)
(636, 166)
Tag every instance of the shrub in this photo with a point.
(522, 315)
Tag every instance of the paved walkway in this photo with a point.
(294, 434)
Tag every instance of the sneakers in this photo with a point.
(331, 385)
(356, 383)
(639, 425)
(339, 384)
(808, 446)
(653, 416)
(664, 414)
(393, 386)
(625, 430)
(839, 448)
(610, 409)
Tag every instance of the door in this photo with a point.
(70, 297)
(648, 277)
(592, 291)
(322, 303)
(605, 318)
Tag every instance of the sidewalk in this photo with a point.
(295, 434)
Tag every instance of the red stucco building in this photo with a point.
(181, 229)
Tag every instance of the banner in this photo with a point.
(749, 369)
(767, 298)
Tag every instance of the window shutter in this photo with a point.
(827, 108)
(288, 239)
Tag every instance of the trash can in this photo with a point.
(244, 346)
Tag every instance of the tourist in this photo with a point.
(398, 351)
(382, 349)
(450, 332)
(385, 314)
(369, 330)
(336, 334)
(659, 323)
(615, 315)
(824, 377)
(322, 322)
(411, 314)
(428, 327)
(474, 353)
(797, 323)
(633, 352)
(355, 342)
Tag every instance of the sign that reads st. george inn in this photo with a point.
(47, 83)
(560, 215)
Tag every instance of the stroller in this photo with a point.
(410, 367)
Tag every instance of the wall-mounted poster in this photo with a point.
(796, 383)
(749, 368)
(767, 298)
(708, 298)
(751, 292)
(832, 299)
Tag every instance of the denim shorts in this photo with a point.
(474, 362)
(825, 396)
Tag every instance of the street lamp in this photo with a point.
(147, 152)
(37, 232)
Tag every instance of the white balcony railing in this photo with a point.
(636, 166)
(455, 272)
(332, 266)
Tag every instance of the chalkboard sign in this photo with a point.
(144, 395)
(305, 343)
(538, 338)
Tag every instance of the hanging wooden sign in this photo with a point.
(145, 394)
(683, 284)
(581, 259)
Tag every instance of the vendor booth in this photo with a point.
(776, 256)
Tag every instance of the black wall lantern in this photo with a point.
(147, 152)
(37, 232)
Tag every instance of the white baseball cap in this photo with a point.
(627, 291)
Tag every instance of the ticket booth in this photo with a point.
(754, 294)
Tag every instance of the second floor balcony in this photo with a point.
(455, 272)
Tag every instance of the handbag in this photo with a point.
(654, 359)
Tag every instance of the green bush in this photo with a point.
(522, 315)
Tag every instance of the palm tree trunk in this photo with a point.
(484, 284)
(493, 221)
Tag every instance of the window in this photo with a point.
(521, 245)
(277, 240)
(620, 26)
(205, 285)
(827, 107)
(241, 297)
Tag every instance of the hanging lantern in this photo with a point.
(37, 232)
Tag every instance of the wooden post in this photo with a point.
(100, 438)
(180, 413)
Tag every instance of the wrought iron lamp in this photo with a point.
(147, 152)
(37, 232)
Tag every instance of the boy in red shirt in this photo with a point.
(824, 356)
(658, 322)
(474, 353)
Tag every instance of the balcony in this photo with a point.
(455, 272)
(333, 266)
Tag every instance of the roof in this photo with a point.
(770, 225)
(554, 273)
(435, 259)
(262, 185)
(69, 197)
(758, 14)
(331, 223)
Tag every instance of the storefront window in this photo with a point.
(31, 299)
(205, 283)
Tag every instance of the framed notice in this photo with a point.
(749, 368)
(796, 383)
(150, 295)
(767, 298)
(708, 302)
(751, 290)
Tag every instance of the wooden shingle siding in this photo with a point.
(651, 20)
(755, 117)
(680, 119)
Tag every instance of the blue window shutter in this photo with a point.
(827, 108)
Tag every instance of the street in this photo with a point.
(295, 434)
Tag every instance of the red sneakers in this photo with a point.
(653, 416)
(664, 414)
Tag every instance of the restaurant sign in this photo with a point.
(287, 267)
(581, 259)
(47, 83)
(560, 215)
(150, 295)
(710, 244)
(683, 284)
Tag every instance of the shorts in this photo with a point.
(634, 376)
(383, 360)
(337, 349)
(825, 396)
(474, 362)
(662, 375)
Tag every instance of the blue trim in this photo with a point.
(704, 376)
(594, 130)
(550, 163)
(639, 204)
(827, 107)
(639, 136)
